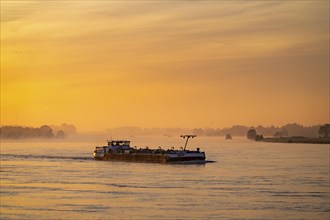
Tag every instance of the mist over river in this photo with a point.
(249, 180)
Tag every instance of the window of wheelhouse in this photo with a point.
(124, 143)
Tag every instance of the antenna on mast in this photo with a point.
(187, 136)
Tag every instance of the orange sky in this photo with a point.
(103, 64)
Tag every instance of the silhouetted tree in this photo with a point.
(17, 132)
(60, 134)
(324, 131)
(282, 133)
(46, 131)
(68, 129)
(209, 132)
(251, 134)
(198, 131)
(259, 137)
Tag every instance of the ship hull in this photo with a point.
(150, 158)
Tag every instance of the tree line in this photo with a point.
(45, 131)
(323, 132)
(292, 129)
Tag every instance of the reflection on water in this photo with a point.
(249, 181)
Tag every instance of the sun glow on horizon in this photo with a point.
(164, 64)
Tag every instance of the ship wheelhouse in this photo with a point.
(119, 145)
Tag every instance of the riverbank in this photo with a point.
(302, 140)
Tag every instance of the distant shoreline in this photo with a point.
(299, 140)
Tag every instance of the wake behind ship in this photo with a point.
(120, 150)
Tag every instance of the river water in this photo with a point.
(249, 180)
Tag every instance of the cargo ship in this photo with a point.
(120, 150)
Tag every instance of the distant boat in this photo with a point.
(120, 150)
(228, 137)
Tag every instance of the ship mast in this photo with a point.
(187, 136)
